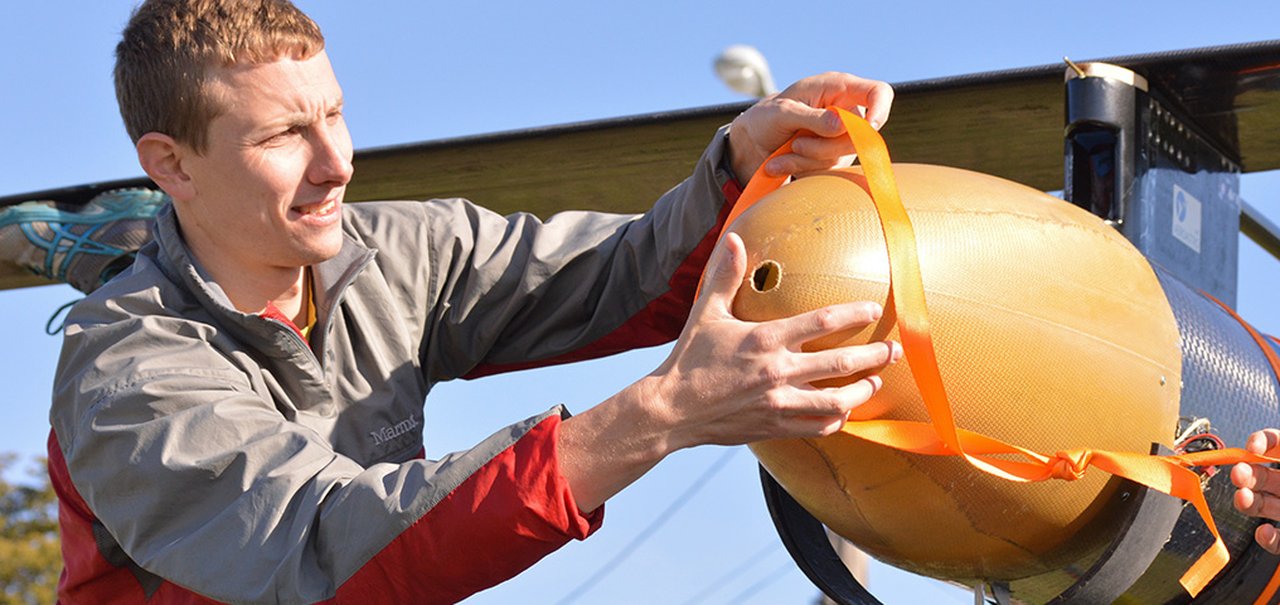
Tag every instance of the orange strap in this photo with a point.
(1166, 474)
(1257, 337)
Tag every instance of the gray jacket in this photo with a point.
(200, 446)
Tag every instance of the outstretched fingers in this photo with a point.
(818, 412)
(846, 361)
(793, 332)
(730, 381)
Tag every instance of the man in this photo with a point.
(238, 415)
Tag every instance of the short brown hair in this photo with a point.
(168, 48)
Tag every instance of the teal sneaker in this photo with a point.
(84, 246)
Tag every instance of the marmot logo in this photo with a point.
(387, 433)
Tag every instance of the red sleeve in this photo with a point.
(502, 519)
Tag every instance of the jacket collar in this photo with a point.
(330, 279)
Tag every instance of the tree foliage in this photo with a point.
(30, 559)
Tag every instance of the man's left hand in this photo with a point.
(800, 108)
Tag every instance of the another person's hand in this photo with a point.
(771, 122)
(729, 381)
(1258, 492)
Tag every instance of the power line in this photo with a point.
(773, 576)
(716, 584)
(653, 527)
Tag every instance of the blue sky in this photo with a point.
(417, 70)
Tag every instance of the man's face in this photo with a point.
(268, 189)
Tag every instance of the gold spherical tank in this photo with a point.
(1051, 331)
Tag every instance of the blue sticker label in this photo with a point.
(1186, 218)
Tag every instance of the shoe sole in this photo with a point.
(107, 207)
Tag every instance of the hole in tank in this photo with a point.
(766, 276)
